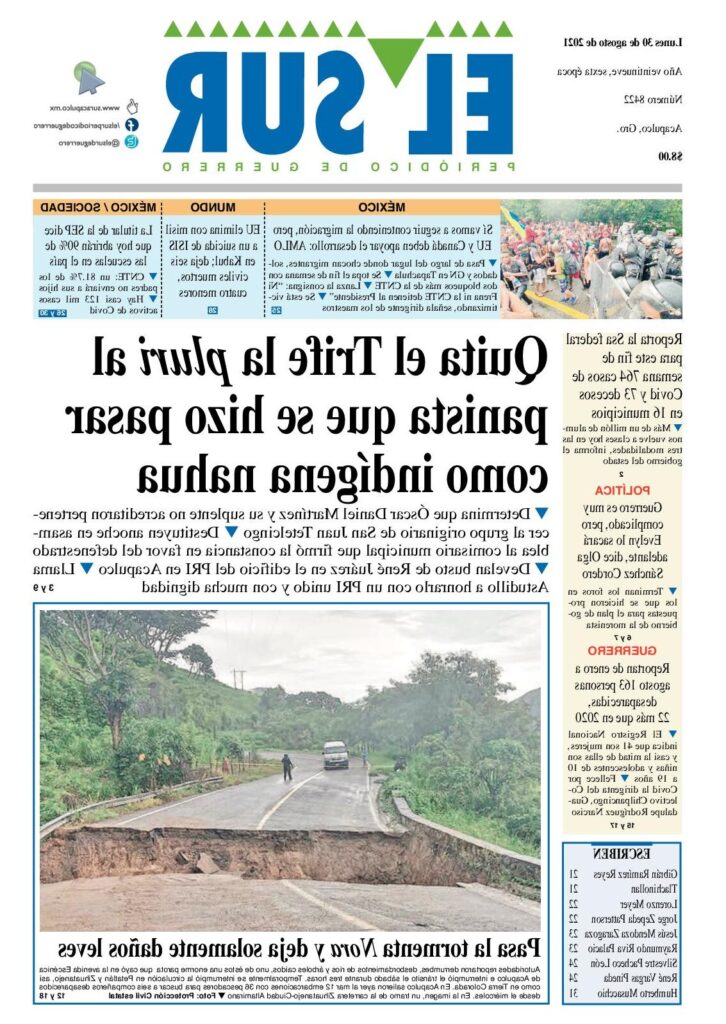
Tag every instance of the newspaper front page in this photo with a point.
(357, 351)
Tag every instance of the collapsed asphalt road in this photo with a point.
(340, 868)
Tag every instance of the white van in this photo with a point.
(335, 755)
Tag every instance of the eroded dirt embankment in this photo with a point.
(329, 856)
(362, 857)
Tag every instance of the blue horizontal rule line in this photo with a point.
(343, 604)
(634, 843)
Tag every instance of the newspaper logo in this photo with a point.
(463, 102)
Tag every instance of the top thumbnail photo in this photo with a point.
(603, 259)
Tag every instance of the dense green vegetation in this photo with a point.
(117, 717)
(174, 721)
(645, 214)
(472, 759)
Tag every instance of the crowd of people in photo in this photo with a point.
(557, 261)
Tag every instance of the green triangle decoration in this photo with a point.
(395, 63)
(396, 55)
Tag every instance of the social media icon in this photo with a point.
(132, 125)
(88, 80)
(131, 141)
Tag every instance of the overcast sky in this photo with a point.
(342, 650)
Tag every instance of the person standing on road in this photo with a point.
(287, 767)
(539, 271)
(564, 277)
(587, 264)
(604, 246)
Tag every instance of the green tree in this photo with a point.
(161, 631)
(93, 647)
(400, 715)
(199, 662)
(501, 763)
(153, 754)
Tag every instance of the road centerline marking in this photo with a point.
(166, 807)
(268, 814)
(329, 907)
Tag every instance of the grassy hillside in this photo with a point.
(175, 717)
